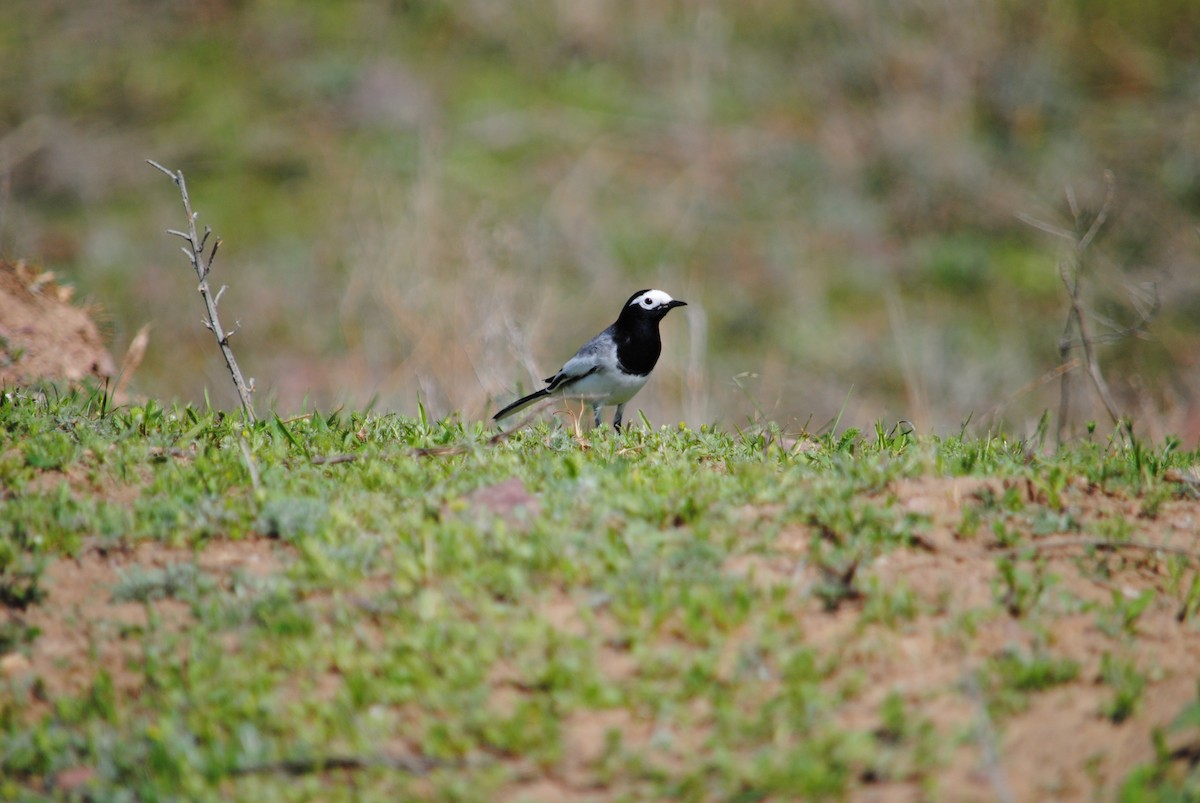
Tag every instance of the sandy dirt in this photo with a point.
(1059, 747)
(44, 336)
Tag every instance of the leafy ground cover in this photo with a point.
(357, 606)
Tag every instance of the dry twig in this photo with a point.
(133, 358)
(1071, 273)
(194, 250)
(1071, 270)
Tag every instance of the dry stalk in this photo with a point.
(194, 250)
(133, 358)
(1071, 273)
(1071, 270)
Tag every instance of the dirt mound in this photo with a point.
(42, 336)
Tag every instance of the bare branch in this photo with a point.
(1070, 279)
(1064, 349)
(195, 254)
(1089, 353)
(180, 234)
(1147, 304)
(1116, 336)
(1070, 271)
(170, 173)
(212, 255)
(1048, 228)
(1102, 216)
(1145, 315)
(221, 292)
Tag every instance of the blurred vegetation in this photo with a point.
(439, 200)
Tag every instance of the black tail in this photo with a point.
(522, 402)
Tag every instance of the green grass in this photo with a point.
(408, 621)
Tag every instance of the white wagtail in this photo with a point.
(612, 366)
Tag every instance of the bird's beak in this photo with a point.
(672, 304)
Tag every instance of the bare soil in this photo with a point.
(82, 629)
(42, 335)
(1058, 747)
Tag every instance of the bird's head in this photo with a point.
(653, 304)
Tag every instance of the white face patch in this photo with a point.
(651, 299)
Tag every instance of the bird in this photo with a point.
(613, 366)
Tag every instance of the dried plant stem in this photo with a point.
(1071, 275)
(194, 250)
(1071, 270)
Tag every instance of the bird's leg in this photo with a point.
(596, 413)
(617, 418)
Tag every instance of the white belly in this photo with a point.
(606, 388)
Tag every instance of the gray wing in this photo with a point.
(595, 355)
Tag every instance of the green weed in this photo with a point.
(173, 581)
(1014, 675)
(1127, 686)
(1120, 619)
(1017, 588)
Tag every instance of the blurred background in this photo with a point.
(438, 201)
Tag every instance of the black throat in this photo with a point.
(638, 343)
